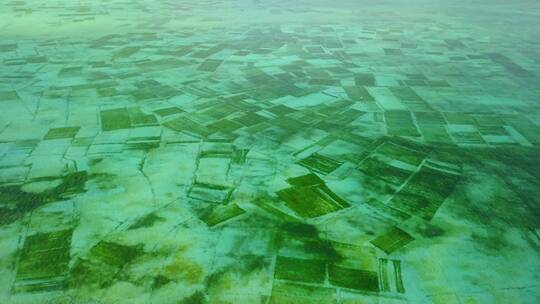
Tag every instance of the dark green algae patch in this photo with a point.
(15, 203)
(43, 262)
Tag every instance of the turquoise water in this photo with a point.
(269, 151)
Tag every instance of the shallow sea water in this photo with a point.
(172, 151)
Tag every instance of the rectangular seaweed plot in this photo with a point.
(58, 133)
(526, 128)
(384, 283)
(115, 119)
(114, 254)
(400, 123)
(405, 93)
(425, 192)
(9, 95)
(312, 201)
(510, 66)
(305, 180)
(293, 293)
(300, 270)
(467, 138)
(434, 133)
(430, 118)
(353, 278)
(210, 65)
(140, 119)
(210, 192)
(379, 169)
(43, 263)
(221, 213)
(320, 163)
(184, 124)
(390, 276)
(396, 266)
(392, 240)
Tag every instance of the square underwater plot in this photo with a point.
(114, 254)
(43, 262)
(115, 119)
(302, 270)
(392, 240)
(390, 275)
(320, 163)
(9, 95)
(311, 200)
(57, 133)
(378, 169)
(221, 213)
(353, 278)
(210, 192)
(400, 123)
(425, 192)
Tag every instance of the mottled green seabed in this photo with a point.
(172, 151)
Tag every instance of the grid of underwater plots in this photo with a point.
(268, 152)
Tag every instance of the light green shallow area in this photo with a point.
(269, 152)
